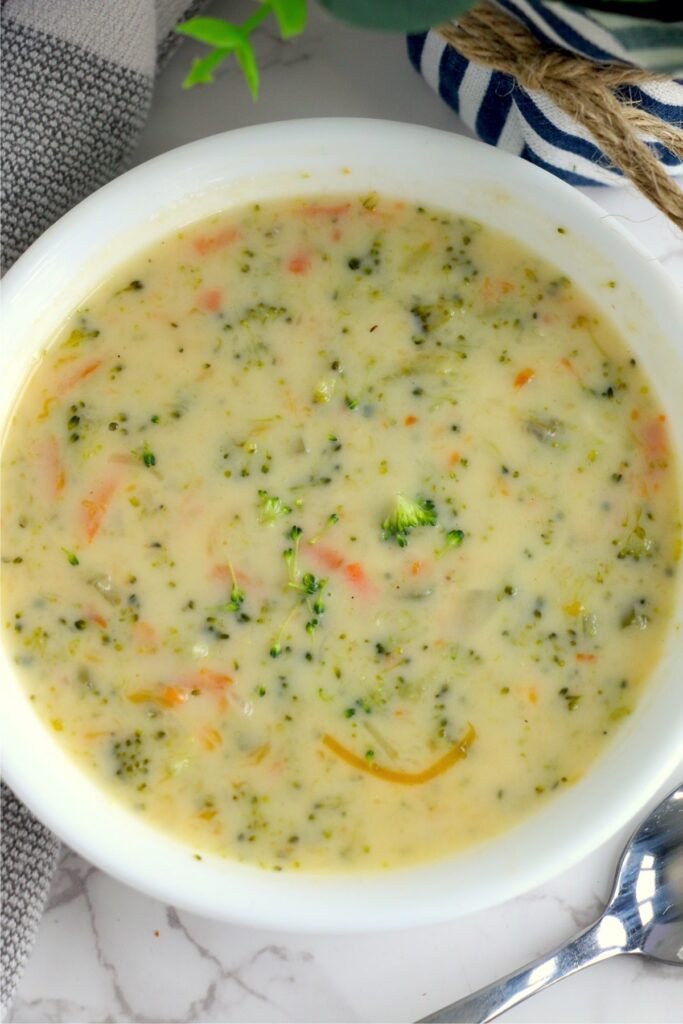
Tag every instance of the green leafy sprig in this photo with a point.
(225, 38)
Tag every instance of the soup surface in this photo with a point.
(338, 534)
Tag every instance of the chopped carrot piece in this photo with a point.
(655, 438)
(95, 617)
(523, 377)
(221, 572)
(172, 697)
(635, 415)
(328, 557)
(410, 420)
(83, 371)
(95, 508)
(581, 656)
(532, 694)
(455, 754)
(180, 692)
(331, 559)
(207, 244)
(214, 680)
(454, 459)
(494, 289)
(416, 568)
(124, 459)
(54, 467)
(206, 679)
(326, 211)
(224, 574)
(300, 263)
(356, 574)
(211, 299)
(146, 636)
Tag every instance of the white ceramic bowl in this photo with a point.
(308, 157)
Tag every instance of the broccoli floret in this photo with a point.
(129, 757)
(148, 456)
(236, 601)
(637, 544)
(237, 596)
(310, 584)
(407, 515)
(271, 508)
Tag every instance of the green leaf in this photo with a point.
(247, 61)
(201, 72)
(214, 31)
(397, 15)
(291, 16)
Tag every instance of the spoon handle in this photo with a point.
(602, 940)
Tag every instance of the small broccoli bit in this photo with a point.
(71, 557)
(129, 757)
(636, 616)
(546, 429)
(571, 700)
(310, 584)
(408, 515)
(235, 603)
(271, 508)
(148, 456)
(236, 600)
(637, 543)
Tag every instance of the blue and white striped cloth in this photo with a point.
(529, 123)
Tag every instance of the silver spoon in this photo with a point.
(644, 915)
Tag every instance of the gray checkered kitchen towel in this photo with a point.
(77, 80)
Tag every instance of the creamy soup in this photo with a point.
(338, 534)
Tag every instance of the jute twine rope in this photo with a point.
(584, 89)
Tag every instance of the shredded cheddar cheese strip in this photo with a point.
(454, 755)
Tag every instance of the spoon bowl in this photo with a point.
(648, 890)
(644, 916)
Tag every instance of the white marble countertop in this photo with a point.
(107, 953)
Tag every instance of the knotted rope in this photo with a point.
(584, 89)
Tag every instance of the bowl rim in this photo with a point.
(363, 902)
